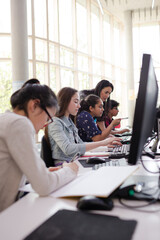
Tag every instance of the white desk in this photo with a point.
(28, 213)
(24, 216)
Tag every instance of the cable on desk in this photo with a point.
(150, 202)
(144, 193)
(139, 206)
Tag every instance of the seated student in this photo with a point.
(103, 89)
(91, 107)
(19, 158)
(112, 112)
(63, 134)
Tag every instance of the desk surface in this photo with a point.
(24, 216)
(28, 213)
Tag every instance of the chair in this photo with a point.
(46, 153)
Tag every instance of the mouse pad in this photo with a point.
(79, 225)
(84, 164)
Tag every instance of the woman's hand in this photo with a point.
(116, 122)
(124, 130)
(113, 141)
(52, 169)
(72, 165)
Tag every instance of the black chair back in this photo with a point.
(46, 153)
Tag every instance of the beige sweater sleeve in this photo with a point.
(22, 147)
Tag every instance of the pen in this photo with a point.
(76, 156)
(124, 118)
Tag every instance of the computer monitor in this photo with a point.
(145, 109)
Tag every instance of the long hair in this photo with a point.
(64, 97)
(97, 90)
(102, 84)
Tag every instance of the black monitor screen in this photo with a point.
(145, 109)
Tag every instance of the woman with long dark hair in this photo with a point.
(34, 106)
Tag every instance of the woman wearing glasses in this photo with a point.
(34, 105)
(63, 134)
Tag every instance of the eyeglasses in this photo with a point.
(50, 118)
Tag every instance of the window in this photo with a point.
(5, 85)
(5, 18)
(70, 43)
(146, 39)
(82, 40)
(65, 22)
(66, 78)
(5, 56)
(107, 37)
(40, 18)
(95, 30)
(66, 57)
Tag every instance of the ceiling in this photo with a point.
(124, 5)
(118, 7)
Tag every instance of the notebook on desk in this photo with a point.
(99, 183)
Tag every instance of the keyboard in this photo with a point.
(120, 152)
(123, 134)
(126, 139)
(109, 162)
(116, 158)
(122, 149)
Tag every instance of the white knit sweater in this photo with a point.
(19, 156)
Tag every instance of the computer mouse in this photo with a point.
(95, 160)
(94, 203)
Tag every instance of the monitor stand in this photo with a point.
(153, 148)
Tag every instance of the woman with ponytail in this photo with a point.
(33, 107)
(91, 108)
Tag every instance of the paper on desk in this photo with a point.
(101, 182)
(89, 154)
(99, 151)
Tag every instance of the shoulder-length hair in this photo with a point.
(64, 97)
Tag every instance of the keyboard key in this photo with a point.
(115, 162)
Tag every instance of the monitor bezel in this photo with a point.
(139, 134)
